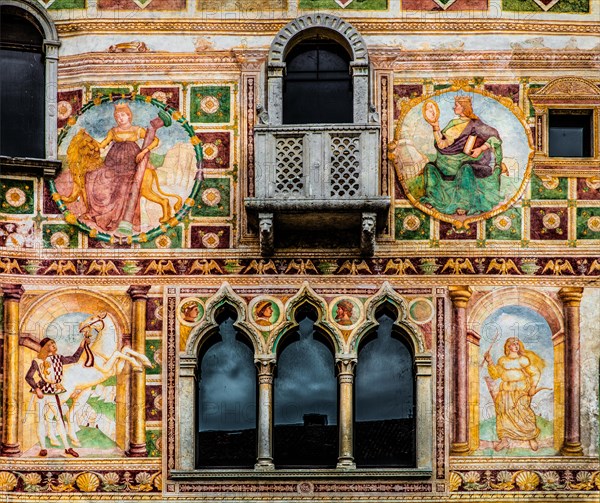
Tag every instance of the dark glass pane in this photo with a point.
(317, 84)
(570, 133)
(384, 401)
(22, 86)
(227, 402)
(305, 401)
(19, 29)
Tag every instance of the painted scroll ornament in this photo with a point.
(132, 168)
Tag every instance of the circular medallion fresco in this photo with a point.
(266, 312)
(190, 311)
(462, 155)
(420, 310)
(124, 178)
(346, 312)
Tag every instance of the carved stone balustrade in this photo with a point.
(318, 178)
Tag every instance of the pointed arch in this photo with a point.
(387, 295)
(225, 296)
(307, 296)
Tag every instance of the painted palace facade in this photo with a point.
(317, 250)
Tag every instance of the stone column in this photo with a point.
(51, 58)
(275, 72)
(10, 406)
(137, 437)
(186, 404)
(265, 367)
(345, 367)
(571, 299)
(460, 295)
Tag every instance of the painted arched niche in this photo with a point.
(99, 417)
(500, 404)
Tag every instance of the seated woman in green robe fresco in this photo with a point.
(464, 178)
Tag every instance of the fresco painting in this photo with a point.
(70, 388)
(516, 384)
(462, 156)
(267, 312)
(130, 170)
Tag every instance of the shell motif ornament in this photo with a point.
(88, 482)
(527, 481)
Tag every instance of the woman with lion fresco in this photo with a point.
(106, 193)
(109, 189)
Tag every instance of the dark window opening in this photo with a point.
(305, 400)
(384, 401)
(22, 85)
(570, 133)
(227, 397)
(317, 86)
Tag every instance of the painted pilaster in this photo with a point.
(137, 438)
(571, 299)
(460, 295)
(10, 405)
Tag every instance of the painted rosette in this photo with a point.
(174, 183)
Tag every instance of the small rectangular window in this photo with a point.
(570, 133)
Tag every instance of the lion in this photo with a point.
(83, 156)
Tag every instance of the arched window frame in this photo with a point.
(266, 348)
(329, 26)
(422, 365)
(185, 429)
(50, 47)
(323, 331)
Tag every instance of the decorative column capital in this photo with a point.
(345, 365)
(13, 292)
(571, 295)
(460, 295)
(266, 367)
(138, 292)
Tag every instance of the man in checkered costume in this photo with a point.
(49, 367)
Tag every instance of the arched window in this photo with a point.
(226, 397)
(22, 84)
(305, 400)
(385, 427)
(317, 86)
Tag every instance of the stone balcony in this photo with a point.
(313, 179)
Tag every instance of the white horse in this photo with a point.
(78, 380)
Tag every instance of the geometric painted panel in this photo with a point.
(549, 223)
(16, 196)
(168, 95)
(69, 103)
(213, 198)
(210, 104)
(344, 4)
(175, 5)
(210, 236)
(215, 149)
(549, 188)
(506, 226)
(411, 224)
(588, 223)
(508, 90)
